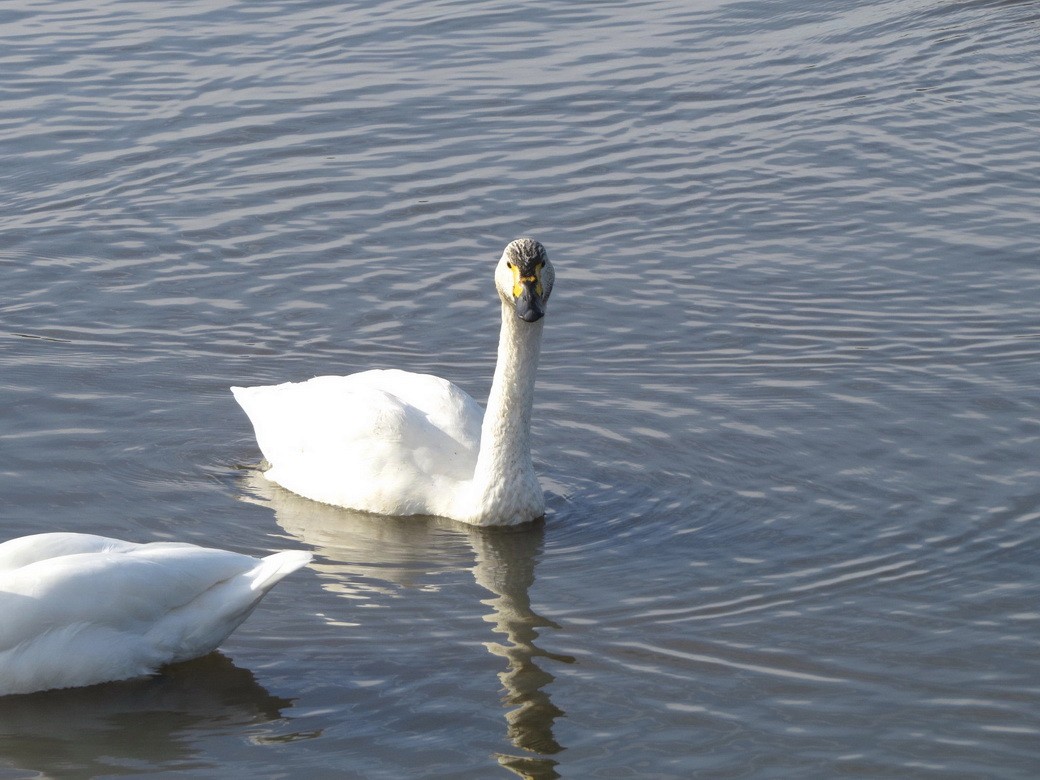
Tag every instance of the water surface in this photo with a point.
(787, 412)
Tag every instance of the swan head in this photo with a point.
(524, 278)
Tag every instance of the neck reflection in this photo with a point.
(505, 567)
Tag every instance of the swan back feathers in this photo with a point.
(81, 609)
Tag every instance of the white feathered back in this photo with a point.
(80, 609)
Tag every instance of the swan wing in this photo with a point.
(90, 609)
(384, 441)
(24, 550)
(446, 406)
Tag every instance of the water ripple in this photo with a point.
(786, 411)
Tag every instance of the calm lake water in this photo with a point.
(788, 413)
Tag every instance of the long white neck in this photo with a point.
(505, 487)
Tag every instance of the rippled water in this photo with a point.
(787, 412)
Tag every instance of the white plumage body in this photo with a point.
(383, 441)
(398, 443)
(78, 609)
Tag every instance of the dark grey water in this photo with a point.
(788, 412)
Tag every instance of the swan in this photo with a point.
(78, 609)
(393, 442)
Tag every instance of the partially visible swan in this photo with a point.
(398, 443)
(78, 609)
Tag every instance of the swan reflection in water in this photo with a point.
(349, 545)
(82, 732)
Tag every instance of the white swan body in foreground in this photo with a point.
(77, 609)
(397, 443)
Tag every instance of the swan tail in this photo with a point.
(276, 567)
(201, 626)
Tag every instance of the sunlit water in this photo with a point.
(788, 412)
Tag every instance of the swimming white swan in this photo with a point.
(78, 609)
(397, 443)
